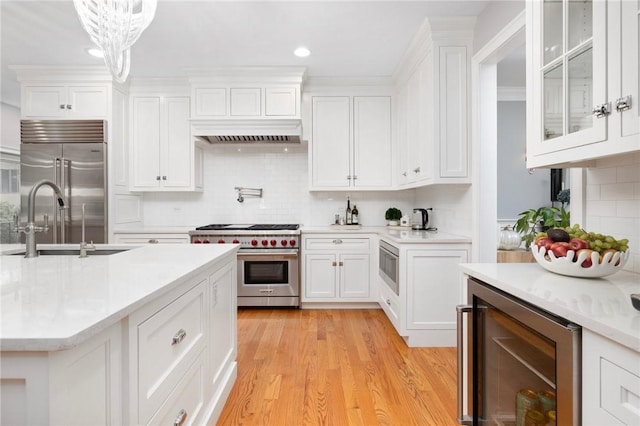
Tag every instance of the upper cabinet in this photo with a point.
(163, 153)
(432, 133)
(64, 101)
(350, 142)
(246, 93)
(582, 88)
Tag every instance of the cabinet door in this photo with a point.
(281, 101)
(630, 62)
(209, 102)
(245, 102)
(568, 57)
(145, 162)
(372, 155)
(44, 101)
(320, 272)
(354, 275)
(177, 147)
(88, 101)
(423, 150)
(331, 136)
(402, 144)
(222, 321)
(434, 288)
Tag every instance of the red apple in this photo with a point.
(587, 261)
(545, 242)
(560, 249)
(578, 244)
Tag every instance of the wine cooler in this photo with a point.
(517, 365)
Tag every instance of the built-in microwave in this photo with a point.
(388, 259)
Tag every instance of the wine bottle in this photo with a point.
(354, 215)
(348, 216)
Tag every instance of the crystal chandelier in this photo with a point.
(114, 25)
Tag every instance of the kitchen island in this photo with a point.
(147, 335)
(610, 330)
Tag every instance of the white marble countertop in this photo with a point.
(598, 304)
(395, 234)
(54, 302)
(156, 230)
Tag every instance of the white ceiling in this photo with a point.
(346, 38)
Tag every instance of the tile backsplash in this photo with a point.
(613, 201)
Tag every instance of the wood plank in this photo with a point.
(336, 367)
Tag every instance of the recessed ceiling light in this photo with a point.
(301, 52)
(95, 52)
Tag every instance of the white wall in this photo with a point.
(283, 176)
(493, 19)
(451, 205)
(9, 127)
(613, 201)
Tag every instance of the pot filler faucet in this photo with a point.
(30, 228)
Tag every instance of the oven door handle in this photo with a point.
(461, 310)
(288, 254)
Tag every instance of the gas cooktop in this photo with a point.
(249, 227)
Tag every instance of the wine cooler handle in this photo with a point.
(461, 310)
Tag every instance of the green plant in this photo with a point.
(533, 221)
(392, 213)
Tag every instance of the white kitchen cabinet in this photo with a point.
(245, 102)
(583, 62)
(351, 142)
(610, 382)
(150, 238)
(432, 133)
(222, 322)
(430, 287)
(65, 101)
(163, 153)
(337, 268)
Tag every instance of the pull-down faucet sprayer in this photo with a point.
(30, 228)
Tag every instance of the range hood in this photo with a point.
(257, 131)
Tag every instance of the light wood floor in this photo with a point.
(336, 367)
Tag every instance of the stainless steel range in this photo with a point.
(268, 260)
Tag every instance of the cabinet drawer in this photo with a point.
(185, 403)
(620, 392)
(167, 342)
(337, 243)
(152, 239)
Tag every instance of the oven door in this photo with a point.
(268, 274)
(388, 264)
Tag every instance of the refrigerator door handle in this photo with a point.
(64, 164)
(462, 418)
(56, 167)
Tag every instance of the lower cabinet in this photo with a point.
(431, 285)
(610, 382)
(337, 268)
(172, 361)
(150, 238)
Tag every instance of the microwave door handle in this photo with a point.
(461, 310)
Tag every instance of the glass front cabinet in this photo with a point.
(581, 56)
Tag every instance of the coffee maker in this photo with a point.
(420, 219)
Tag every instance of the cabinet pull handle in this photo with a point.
(416, 170)
(180, 418)
(623, 104)
(404, 174)
(340, 263)
(153, 241)
(389, 302)
(62, 106)
(178, 337)
(266, 290)
(164, 178)
(601, 110)
(157, 177)
(349, 177)
(337, 241)
(355, 177)
(334, 264)
(69, 106)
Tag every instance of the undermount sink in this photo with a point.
(75, 252)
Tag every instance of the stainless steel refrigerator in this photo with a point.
(73, 154)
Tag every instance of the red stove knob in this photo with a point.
(196, 241)
(254, 243)
(265, 242)
(273, 242)
(205, 241)
(283, 242)
(220, 241)
(292, 243)
(236, 242)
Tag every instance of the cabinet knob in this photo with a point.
(180, 418)
(416, 170)
(153, 241)
(178, 337)
(601, 110)
(388, 302)
(157, 177)
(62, 106)
(164, 178)
(337, 241)
(340, 263)
(623, 104)
(348, 177)
(69, 106)
(404, 174)
(355, 177)
(334, 264)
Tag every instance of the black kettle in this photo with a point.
(420, 219)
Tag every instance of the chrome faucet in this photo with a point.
(30, 228)
(84, 247)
